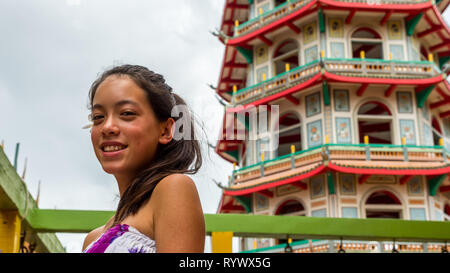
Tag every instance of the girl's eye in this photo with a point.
(97, 117)
(128, 113)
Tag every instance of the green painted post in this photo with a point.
(247, 53)
(326, 93)
(411, 24)
(435, 183)
(330, 180)
(443, 60)
(246, 202)
(321, 21)
(423, 95)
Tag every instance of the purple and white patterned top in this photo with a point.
(122, 238)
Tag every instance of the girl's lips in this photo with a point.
(113, 153)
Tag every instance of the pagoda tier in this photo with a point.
(335, 109)
(421, 19)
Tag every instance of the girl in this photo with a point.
(133, 138)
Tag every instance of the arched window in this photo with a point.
(289, 133)
(383, 204)
(291, 207)
(286, 53)
(375, 121)
(369, 41)
(437, 132)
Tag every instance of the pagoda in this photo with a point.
(363, 112)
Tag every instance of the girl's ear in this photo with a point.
(167, 131)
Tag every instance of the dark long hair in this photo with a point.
(178, 156)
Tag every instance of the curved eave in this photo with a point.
(315, 170)
(321, 168)
(232, 72)
(227, 205)
(390, 171)
(443, 4)
(316, 79)
(412, 82)
(225, 155)
(433, 31)
(440, 98)
(233, 10)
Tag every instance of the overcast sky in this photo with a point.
(50, 53)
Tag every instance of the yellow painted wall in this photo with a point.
(9, 231)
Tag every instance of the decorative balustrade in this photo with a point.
(292, 6)
(349, 67)
(348, 152)
(384, 2)
(270, 16)
(278, 83)
(380, 68)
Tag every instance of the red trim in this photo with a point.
(418, 82)
(444, 189)
(294, 179)
(361, 89)
(265, 40)
(301, 185)
(364, 178)
(238, 6)
(383, 171)
(266, 193)
(292, 99)
(390, 90)
(231, 206)
(435, 125)
(433, 29)
(293, 27)
(349, 17)
(405, 179)
(386, 17)
(445, 114)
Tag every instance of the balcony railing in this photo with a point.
(278, 83)
(293, 5)
(348, 152)
(373, 68)
(380, 68)
(270, 16)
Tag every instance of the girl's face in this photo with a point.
(125, 131)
